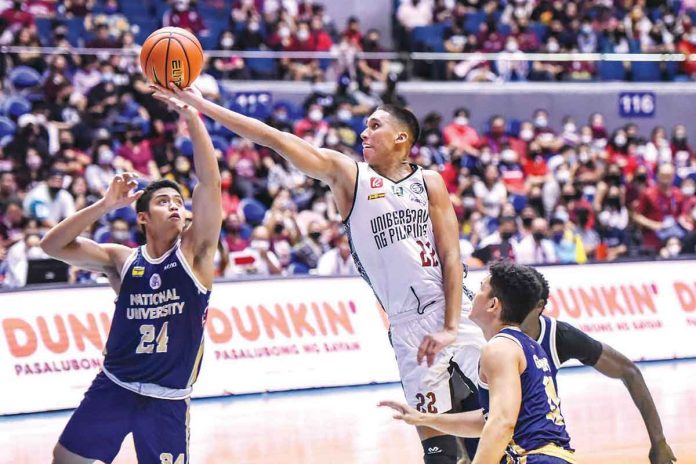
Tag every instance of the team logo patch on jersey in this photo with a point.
(398, 190)
(138, 271)
(376, 182)
(417, 188)
(155, 281)
(376, 196)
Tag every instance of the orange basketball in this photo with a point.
(171, 54)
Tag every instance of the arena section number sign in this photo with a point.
(637, 104)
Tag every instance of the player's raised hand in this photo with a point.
(177, 99)
(661, 453)
(120, 192)
(403, 412)
(433, 343)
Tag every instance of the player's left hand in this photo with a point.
(403, 412)
(176, 100)
(661, 453)
(433, 343)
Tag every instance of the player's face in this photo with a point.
(379, 137)
(482, 304)
(166, 211)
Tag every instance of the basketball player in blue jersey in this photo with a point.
(563, 342)
(154, 348)
(404, 237)
(520, 420)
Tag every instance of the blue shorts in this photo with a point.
(109, 412)
(535, 459)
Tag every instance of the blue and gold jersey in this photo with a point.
(155, 344)
(540, 428)
(547, 340)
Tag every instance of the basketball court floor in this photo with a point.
(344, 426)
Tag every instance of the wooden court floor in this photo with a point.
(343, 426)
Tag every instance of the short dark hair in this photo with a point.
(543, 284)
(143, 203)
(404, 116)
(517, 289)
(460, 110)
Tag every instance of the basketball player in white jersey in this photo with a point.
(404, 239)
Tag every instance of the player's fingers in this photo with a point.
(422, 349)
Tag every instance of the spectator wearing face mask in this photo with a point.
(48, 202)
(257, 259)
(657, 210)
(135, 154)
(12, 222)
(512, 70)
(99, 174)
(498, 245)
(119, 233)
(460, 136)
(682, 149)
(18, 257)
(311, 248)
(658, 150)
(613, 240)
(672, 248)
(312, 125)
(536, 248)
(567, 245)
(228, 67)
(338, 260)
(490, 192)
(181, 14)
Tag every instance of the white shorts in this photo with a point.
(428, 388)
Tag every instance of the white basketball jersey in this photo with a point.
(391, 237)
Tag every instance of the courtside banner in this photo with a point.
(272, 335)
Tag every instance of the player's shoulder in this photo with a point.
(434, 183)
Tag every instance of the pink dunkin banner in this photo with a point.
(273, 335)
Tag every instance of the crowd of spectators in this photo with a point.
(521, 189)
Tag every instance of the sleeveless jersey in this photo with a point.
(392, 242)
(155, 344)
(540, 427)
(547, 340)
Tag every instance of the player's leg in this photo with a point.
(437, 448)
(464, 398)
(98, 426)
(161, 431)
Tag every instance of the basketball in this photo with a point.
(171, 55)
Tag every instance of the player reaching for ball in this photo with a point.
(403, 235)
(155, 345)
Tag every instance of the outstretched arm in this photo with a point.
(331, 167)
(202, 237)
(462, 424)
(617, 366)
(446, 231)
(63, 241)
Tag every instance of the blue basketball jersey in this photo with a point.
(547, 340)
(540, 428)
(155, 344)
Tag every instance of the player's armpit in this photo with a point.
(343, 181)
(88, 254)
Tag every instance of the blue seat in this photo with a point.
(254, 211)
(262, 67)
(44, 27)
(24, 77)
(76, 31)
(431, 37)
(145, 28)
(541, 30)
(612, 71)
(646, 71)
(220, 143)
(185, 146)
(7, 127)
(473, 21)
(15, 106)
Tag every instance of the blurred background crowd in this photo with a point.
(522, 189)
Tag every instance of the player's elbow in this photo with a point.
(504, 424)
(630, 373)
(48, 244)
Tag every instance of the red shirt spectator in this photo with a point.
(460, 134)
(16, 17)
(352, 32)
(181, 16)
(138, 151)
(656, 204)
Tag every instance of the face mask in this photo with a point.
(688, 190)
(693, 214)
(225, 183)
(526, 134)
(34, 252)
(485, 158)
(527, 221)
(562, 177)
(53, 191)
(120, 235)
(604, 218)
(562, 215)
(315, 236)
(620, 140)
(557, 237)
(331, 140)
(511, 46)
(614, 179)
(432, 139)
(320, 207)
(540, 122)
(344, 115)
(506, 235)
(586, 28)
(538, 236)
(586, 138)
(509, 156)
(253, 27)
(316, 115)
(469, 202)
(261, 245)
(302, 35)
(282, 116)
(614, 202)
(461, 120)
(569, 128)
(641, 178)
(284, 32)
(227, 42)
(106, 157)
(553, 47)
(34, 162)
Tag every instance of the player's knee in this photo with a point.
(440, 450)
